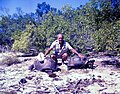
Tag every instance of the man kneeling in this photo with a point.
(60, 47)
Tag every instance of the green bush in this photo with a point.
(107, 37)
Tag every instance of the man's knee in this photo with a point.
(64, 56)
(53, 56)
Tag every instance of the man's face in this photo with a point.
(60, 39)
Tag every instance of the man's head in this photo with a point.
(60, 38)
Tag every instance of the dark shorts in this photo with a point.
(61, 53)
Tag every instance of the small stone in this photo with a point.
(22, 81)
(112, 73)
(29, 77)
(99, 76)
(12, 92)
(52, 75)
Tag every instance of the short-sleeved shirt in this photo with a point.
(56, 46)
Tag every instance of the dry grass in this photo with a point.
(8, 58)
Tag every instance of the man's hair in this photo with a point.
(60, 34)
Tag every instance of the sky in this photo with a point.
(29, 6)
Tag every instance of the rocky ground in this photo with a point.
(17, 79)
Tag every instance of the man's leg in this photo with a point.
(54, 57)
(64, 56)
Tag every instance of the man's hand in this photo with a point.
(47, 52)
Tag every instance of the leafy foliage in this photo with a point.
(107, 37)
(96, 25)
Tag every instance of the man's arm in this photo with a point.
(74, 51)
(48, 51)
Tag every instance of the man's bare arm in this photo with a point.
(74, 51)
(48, 51)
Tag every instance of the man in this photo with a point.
(61, 47)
